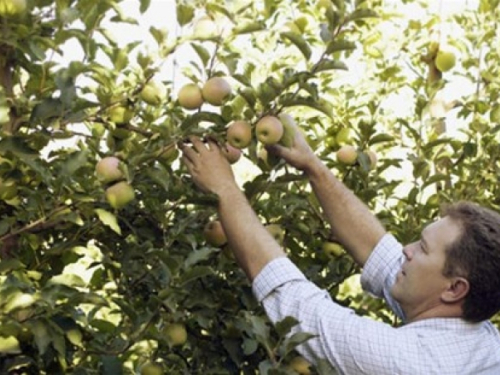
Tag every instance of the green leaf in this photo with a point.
(435, 178)
(185, 13)
(48, 109)
(380, 138)
(111, 365)
(284, 326)
(74, 162)
(202, 53)
(340, 45)
(359, 14)
(299, 42)
(9, 345)
(201, 117)
(320, 105)
(108, 219)
(195, 273)
(18, 146)
(41, 334)
(249, 27)
(198, 256)
(68, 280)
(144, 6)
(324, 65)
(295, 340)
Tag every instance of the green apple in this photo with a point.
(269, 130)
(445, 59)
(277, 232)
(108, 169)
(300, 365)
(120, 194)
(214, 233)
(12, 7)
(239, 134)
(120, 114)
(332, 249)
(176, 334)
(347, 155)
(153, 93)
(231, 153)
(190, 96)
(151, 368)
(216, 90)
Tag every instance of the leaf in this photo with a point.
(434, 179)
(249, 27)
(201, 117)
(295, 340)
(340, 45)
(198, 256)
(18, 146)
(319, 105)
(359, 14)
(299, 42)
(9, 345)
(196, 273)
(111, 365)
(70, 280)
(41, 334)
(324, 65)
(185, 13)
(108, 219)
(74, 162)
(249, 346)
(144, 6)
(284, 326)
(380, 138)
(202, 53)
(48, 109)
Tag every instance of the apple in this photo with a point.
(231, 153)
(108, 169)
(168, 153)
(277, 232)
(120, 194)
(214, 233)
(300, 365)
(216, 90)
(8, 189)
(151, 368)
(332, 249)
(120, 114)
(205, 28)
(239, 134)
(153, 92)
(269, 130)
(190, 96)
(445, 59)
(12, 7)
(343, 136)
(176, 334)
(289, 127)
(347, 155)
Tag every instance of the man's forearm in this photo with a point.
(253, 246)
(352, 222)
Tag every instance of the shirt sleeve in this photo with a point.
(353, 344)
(380, 271)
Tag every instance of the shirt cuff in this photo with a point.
(274, 274)
(379, 265)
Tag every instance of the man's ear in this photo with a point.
(457, 290)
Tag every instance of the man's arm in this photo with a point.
(351, 220)
(253, 246)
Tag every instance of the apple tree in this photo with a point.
(112, 262)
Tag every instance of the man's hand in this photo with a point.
(208, 166)
(299, 155)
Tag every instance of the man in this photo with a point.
(444, 286)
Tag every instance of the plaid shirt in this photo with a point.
(359, 345)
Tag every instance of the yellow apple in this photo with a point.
(277, 232)
(231, 153)
(108, 169)
(150, 368)
(176, 334)
(205, 28)
(347, 155)
(190, 96)
(269, 130)
(445, 59)
(300, 365)
(120, 194)
(214, 233)
(332, 249)
(153, 92)
(120, 114)
(239, 134)
(216, 90)
(12, 7)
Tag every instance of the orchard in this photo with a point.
(113, 262)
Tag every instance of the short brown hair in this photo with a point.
(475, 255)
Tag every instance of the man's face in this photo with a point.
(420, 282)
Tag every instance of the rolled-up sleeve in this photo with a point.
(353, 344)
